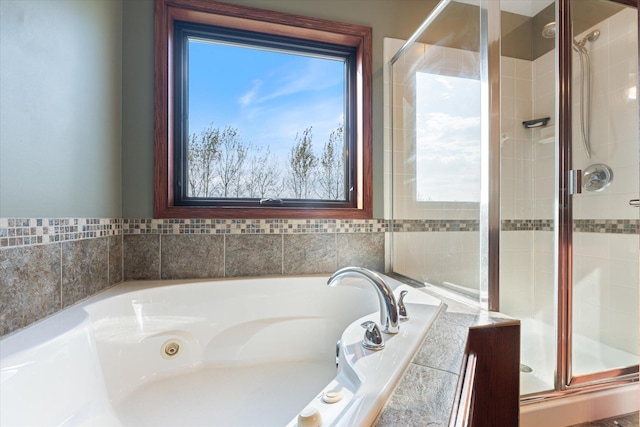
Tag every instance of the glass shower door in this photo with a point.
(436, 125)
(528, 165)
(604, 154)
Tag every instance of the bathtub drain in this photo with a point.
(170, 349)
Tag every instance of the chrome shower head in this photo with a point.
(591, 37)
(549, 30)
(579, 46)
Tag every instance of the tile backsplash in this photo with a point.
(49, 264)
(38, 280)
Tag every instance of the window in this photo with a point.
(260, 114)
(447, 138)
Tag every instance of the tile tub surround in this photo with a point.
(39, 280)
(171, 256)
(86, 269)
(30, 287)
(191, 256)
(50, 263)
(425, 394)
(33, 286)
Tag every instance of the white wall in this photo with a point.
(60, 108)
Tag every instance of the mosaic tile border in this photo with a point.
(252, 226)
(611, 226)
(425, 225)
(527, 225)
(607, 226)
(33, 231)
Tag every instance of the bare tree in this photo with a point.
(233, 152)
(330, 170)
(262, 175)
(203, 153)
(220, 165)
(302, 162)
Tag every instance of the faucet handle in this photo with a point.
(372, 336)
(402, 309)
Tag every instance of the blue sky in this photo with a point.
(268, 96)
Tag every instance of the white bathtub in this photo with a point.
(251, 352)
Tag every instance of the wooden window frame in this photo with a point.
(268, 22)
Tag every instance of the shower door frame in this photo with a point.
(565, 382)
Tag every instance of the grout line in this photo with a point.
(122, 258)
(335, 251)
(108, 262)
(61, 275)
(160, 256)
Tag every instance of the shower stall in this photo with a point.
(512, 167)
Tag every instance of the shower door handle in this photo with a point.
(575, 181)
(634, 202)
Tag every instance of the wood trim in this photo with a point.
(365, 121)
(246, 23)
(161, 132)
(261, 213)
(248, 18)
(463, 408)
(488, 392)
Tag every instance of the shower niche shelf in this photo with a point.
(536, 123)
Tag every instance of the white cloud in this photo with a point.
(444, 137)
(250, 96)
(316, 76)
(447, 157)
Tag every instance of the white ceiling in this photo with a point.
(521, 7)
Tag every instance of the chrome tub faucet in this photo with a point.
(388, 304)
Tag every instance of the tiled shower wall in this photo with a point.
(517, 186)
(606, 281)
(528, 188)
(606, 267)
(49, 264)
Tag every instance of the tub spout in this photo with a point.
(388, 304)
